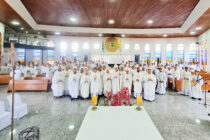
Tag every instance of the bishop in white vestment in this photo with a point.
(58, 83)
(115, 80)
(161, 78)
(74, 79)
(137, 79)
(149, 86)
(186, 84)
(85, 85)
(196, 89)
(107, 82)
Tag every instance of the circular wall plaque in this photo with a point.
(112, 44)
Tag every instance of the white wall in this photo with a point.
(206, 37)
(131, 41)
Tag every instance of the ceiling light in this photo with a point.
(165, 35)
(192, 33)
(123, 35)
(38, 32)
(111, 21)
(100, 35)
(21, 28)
(73, 19)
(198, 28)
(26, 32)
(15, 23)
(149, 21)
(57, 33)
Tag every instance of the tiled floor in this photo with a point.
(176, 117)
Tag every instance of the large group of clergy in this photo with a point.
(81, 80)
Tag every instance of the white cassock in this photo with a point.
(197, 90)
(84, 86)
(95, 84)
(186, 84)
(66, 83)
(27, 71)
(175, 74)
(149, 87)
(127, 81)
(107, 83)
(58, 87)
(115, 82)
(161, 78)
(17, 74)
(74, 85)
(49, 73)
(137, 79)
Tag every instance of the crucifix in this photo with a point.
(12, 54)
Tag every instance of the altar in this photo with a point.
(117, 123)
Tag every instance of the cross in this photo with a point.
(12, 54)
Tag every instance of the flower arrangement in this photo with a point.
(119, 99)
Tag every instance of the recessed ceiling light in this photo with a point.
(73, 19)
(111, 21)
(192, 33)
(165, 35)
(15, 23)
(100, 35)
(150, 21)
(21, 28)
(57, 33)
(123, 35)
(198, 28)
(26, 32)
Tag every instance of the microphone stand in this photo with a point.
(205, 94)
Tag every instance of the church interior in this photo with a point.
(104, 70)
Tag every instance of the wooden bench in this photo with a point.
(29, 85)
(4, 79)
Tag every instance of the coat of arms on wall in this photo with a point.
(112, 44)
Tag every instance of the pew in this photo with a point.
(4, 79)
(29, 85)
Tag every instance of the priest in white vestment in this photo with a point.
(58, 83)
(149, 86)
(66, 72)
(121, 72)
(115, 76)
(137, 80)
(73, 87)
(5, 69)
(161, 78)
(107, 81)
(85, 85)
(95, 83)
(196, 89)
(175, 76)
(127, 79)
(186, 84)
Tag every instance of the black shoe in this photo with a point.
(199, 99)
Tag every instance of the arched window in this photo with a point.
(193, 53)
(180, 53)
(169, 53)
(75, 47)
(147, 53)
(157, 52)
(63, 48)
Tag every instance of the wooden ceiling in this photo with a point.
(92, 13)
(7, 15)
(126, 13)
